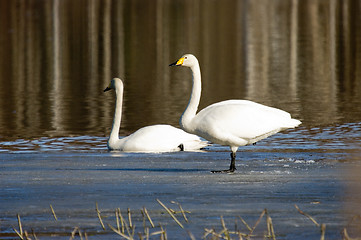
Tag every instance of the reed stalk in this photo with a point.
(20, 233)
(181, 210)
(307, 215)
(53, 212)
(100, 218)
(149, 218)
(170, 213)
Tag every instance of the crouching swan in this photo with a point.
(154, 138)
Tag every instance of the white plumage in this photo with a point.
(231, 123)
(155, 138)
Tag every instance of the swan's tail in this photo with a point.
(195, 144)
(292, 123)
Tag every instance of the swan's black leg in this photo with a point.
(232, 167)
(181, 146)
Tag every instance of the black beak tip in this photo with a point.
(107, 89)
(173, 64)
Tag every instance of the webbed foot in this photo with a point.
(232, 167)
(224, 171)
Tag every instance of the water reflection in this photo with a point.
(88, 144)
(56, 57)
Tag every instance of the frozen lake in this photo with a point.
(295, 167)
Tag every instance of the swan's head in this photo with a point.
(187, 60)
(114, 84)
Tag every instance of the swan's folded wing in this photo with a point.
(161, 138)
(241, 119)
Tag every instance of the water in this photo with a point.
(56, 57)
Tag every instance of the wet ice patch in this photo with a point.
(299, 161)
(305, 161)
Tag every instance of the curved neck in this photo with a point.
(193, 103)
(114, 134)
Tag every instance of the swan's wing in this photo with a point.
(241, 122)
(161, 138)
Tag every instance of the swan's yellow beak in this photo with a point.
(178, 63)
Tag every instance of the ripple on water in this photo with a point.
(47, 144)
(339, 137)
(342, 137)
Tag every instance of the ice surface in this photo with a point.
(74, 173)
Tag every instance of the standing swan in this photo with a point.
(155, 138)
(231, 123)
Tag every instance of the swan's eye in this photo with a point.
(185, 57)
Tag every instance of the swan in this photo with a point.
(155, 138)
(232, 123)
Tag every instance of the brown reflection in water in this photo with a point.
(57, 56)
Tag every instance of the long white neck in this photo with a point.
(191, 110)
(114, 134)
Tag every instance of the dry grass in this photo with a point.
(126, 229)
